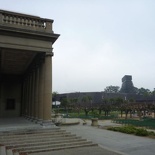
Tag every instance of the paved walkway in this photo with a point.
(128, 144)
(111, 143)
(8, 124)
(81, 151)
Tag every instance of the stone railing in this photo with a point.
(24, 21)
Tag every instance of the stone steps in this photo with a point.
(20, 135)
(43, 140)
(27, 152)
(37, 146)
(35, 135)
(56, 140)
(29, 131)
(30, 144)
(37, 138)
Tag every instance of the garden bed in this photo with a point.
(129, 129)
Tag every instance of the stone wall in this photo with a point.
(10, 97)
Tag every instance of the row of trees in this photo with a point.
(139, 91)
(107, 105)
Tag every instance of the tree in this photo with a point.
(72, 103)
(106, 105)
(54, 97)
(143, 91)
(65, 102)
(153, 94)
(77, 105)
(112, 89)
(87, 104)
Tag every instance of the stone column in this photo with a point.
(41, 92)
(2, 150)
(0, 98)
(27, 97)
(36, 115)
(30, 97)
(33, 96)
(23, 98)
(47, 90)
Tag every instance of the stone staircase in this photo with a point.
(24, 142)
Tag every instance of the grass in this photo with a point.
(82, 115)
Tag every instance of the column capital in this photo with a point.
(49, 54)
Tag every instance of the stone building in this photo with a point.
(127, 92)
(97, 97)
(127, 85)
(26, 66)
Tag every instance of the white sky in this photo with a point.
(100, 42)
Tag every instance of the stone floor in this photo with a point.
(82, 151)
(110, 143)
(115, 141)
(9, 124)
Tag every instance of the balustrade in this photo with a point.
(25, 21)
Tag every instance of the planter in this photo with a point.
(94, 122)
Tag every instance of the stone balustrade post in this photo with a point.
(49, 26)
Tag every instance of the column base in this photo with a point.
(39, 121)
(33, 119)
(47, 123)
(27, 117)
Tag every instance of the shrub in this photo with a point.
(142, 132)
(151, 133)
(113, 128)
(132, 130)
(128, 129)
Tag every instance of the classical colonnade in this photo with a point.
(37, 89)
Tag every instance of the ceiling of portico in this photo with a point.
(15, 61)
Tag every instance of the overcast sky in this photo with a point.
(100, 42)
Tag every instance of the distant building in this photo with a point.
(127, 92)
(97, 97)
(127, 85)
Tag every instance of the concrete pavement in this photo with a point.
(128, 144)
(81, 151)
(9, 124)
(111, 143)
